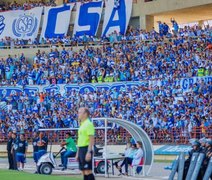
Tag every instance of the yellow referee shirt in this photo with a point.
(86, 129)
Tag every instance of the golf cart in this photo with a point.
(47, 162)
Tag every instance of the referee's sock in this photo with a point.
(91, 177)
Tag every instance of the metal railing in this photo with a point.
(121, 136)
(92, 43)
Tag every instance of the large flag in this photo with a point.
(20, 24)
(117, 16)
(56, 21)
(87, 18)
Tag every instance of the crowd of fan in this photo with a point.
(153, 108)
(31, 4)
(133, 34)
(158, 59)
(26, 5)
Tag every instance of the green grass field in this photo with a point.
(16, 175)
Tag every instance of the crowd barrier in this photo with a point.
(121, 136)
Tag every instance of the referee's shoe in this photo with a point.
(85, 144)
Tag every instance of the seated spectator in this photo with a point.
(70, 151)
(129, 154)
(138, 156)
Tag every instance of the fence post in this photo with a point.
(174, 169)
(181, 166)
(197, 167)
(195, 131)
(208, 171)
(192, 165)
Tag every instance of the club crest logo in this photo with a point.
(2, 24)
(25, 25)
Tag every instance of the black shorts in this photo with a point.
(83, 164)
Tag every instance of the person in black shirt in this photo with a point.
(208, 155)
(13, 150)
(35, 140)
(42, 145)
(196, 148)
(9, 148)
(21, 151)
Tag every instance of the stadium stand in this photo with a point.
(25, 6)
(168, 114)
(188, 52)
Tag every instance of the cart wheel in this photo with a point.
(46, 169)
(101, 167)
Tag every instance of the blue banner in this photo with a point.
(87, 18)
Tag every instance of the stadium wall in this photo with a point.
(113, 148)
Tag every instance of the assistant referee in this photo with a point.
(85, 144)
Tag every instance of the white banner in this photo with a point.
(117, 16)
(56, 21)
(20, 24)
(32, 90)
(87, 18)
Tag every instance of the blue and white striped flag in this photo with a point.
(2, 25)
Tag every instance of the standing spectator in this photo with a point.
(13, 150)
(21, 151)
(208, 156)
(175, 26)
(161, 28)
(35, 140)
(42, 145)
(9, 148)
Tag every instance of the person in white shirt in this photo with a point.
(129, 154)
(137, 158)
